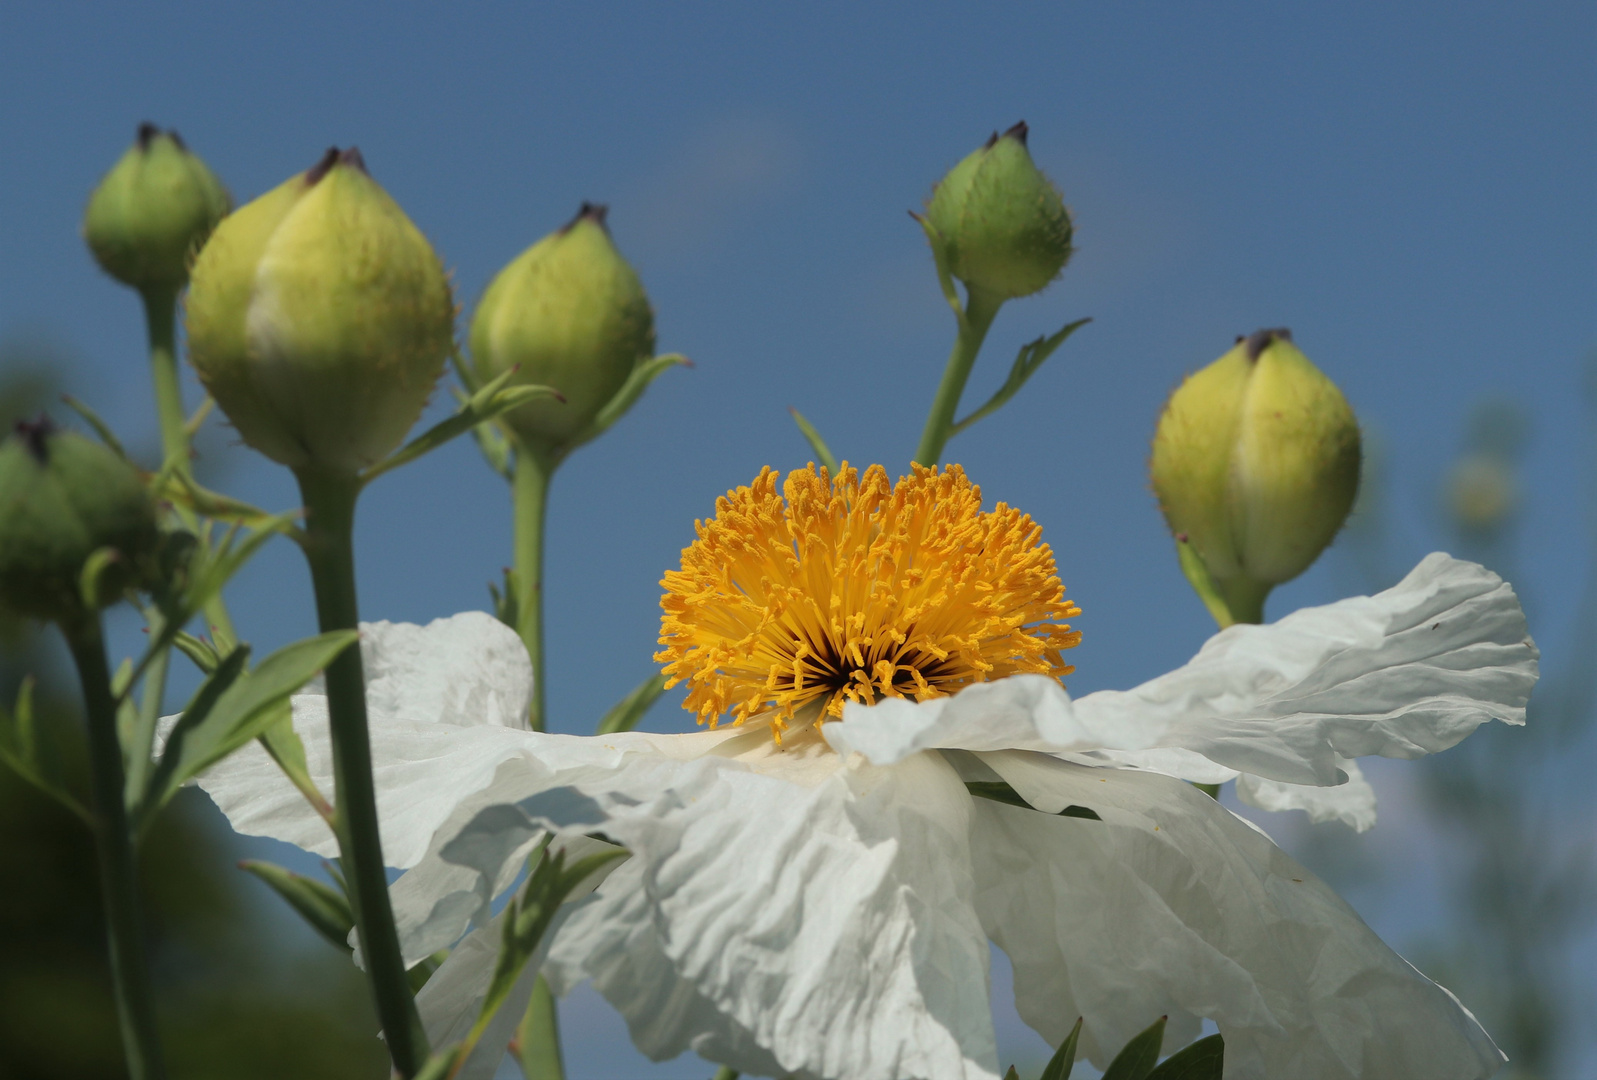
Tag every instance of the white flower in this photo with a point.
(823, 909)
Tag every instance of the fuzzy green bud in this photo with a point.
(63, 498)
(1256, 465)
(153, 211)
(1481, 493)
(570, 313)
(320, 318)
(1001, 223)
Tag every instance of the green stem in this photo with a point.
(130, 975)
(1244, 599)
(329, 548)
(160, 320)
(160, 316)
(538, 1036)
(530, 501)
(980, 310)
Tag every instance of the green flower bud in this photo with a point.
(1002, 224)
(62, 498)
(1481, 493)
(568, 313)
(319, 318)
(153, 211)
(1256, 464)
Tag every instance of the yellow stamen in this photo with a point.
(857, 590)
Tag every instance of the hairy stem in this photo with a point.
(113, 845)
(329, 548)
(980, 310)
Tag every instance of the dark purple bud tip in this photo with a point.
(352, 157)
(1018, 133)
(1181, 538)
(314, 174)
(594, 212)
(992, 141)
(1260, 340)
(35, 435)
(147, 134)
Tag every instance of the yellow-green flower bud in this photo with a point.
(62, 498)
(319, 318)
(570, 313)
(153, 211)
(1256, 464)
(1001, 223)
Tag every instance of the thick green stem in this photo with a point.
(1244, 599)
(980, 310)
(538, 1036)
(130, 976)
(329, 548)
(530, 500)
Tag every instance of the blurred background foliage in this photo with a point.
(244, 991)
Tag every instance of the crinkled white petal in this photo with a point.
(827, 920)
(467, 669)
(1404, 673)
(455, 993)
(1352, 803)
(1030, 712)
(1170, 760)
(1171, 905)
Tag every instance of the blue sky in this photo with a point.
(1408, 187)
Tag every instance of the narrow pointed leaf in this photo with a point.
(818, 444)
(190, 724)
(192, 427)
(1202, 1060)
(249, 705)
(22, 751)
(945, 280)
(197, 649)
(627, 712)
(325, 908)
(282, 742)
(487, 403)
(999, 791)
(1063, 1062)
(101, 428)
(180, 488)
(1027, 361)
(631, 390)
(1137, 1059)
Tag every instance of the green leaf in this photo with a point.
(180, 488)
(442, 1065)
(998, 791)
(626, 713)
(626, 397)
(22, 751)
(492, 400)
(97, 579)
(507, 605)
(1202, 1060)
(324, 907)
(493, 444)
(197, 649)
(1027, 361)
(101, 428)
(282, 742)
(1063, 1062)
(818, 444)
(247, 706)
(191, 427)
(418, 974)
(1137, 1059)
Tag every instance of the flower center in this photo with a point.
(856, 589)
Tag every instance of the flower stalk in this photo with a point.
(530, 504)
(328, 542)
(981, 308)
(113, 847)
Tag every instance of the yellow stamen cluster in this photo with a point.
(856, 589)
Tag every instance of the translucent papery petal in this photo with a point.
(1027, 712)
(444, 702)
(1172, 905)
(1170, 760)
(453, 997)
(467, 669)
(1352, 803)
(828, 922)
(1404, 673)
